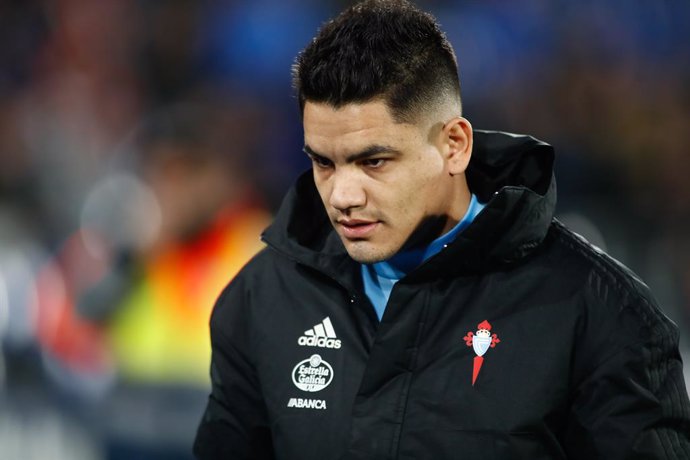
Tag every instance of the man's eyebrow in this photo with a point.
(368, 152)
(308, 150)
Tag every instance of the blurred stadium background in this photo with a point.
(144, 144)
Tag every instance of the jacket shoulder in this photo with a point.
(234, 300)
(615, 302)
(625, 358)
(606, 278)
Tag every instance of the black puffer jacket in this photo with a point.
(517, 341)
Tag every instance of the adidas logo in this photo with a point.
(321, 335)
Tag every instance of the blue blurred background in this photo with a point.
(144, 145)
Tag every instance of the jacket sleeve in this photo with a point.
(633, 404)
(234, 424)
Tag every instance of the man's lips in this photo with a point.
(356, 228)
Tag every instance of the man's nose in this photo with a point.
(347, 192)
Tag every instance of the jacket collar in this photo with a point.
(512, 174)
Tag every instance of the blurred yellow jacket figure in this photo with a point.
(160, 332)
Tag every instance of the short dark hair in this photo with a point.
(379, 48)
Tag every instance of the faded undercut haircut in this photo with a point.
(385, 49)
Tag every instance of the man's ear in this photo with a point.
(458, 136)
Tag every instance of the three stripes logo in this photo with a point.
(322, 335)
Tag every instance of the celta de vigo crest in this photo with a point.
(480, 343)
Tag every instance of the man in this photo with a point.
(417, 300)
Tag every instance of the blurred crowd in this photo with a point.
(145, 144)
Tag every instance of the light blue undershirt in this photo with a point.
(379, 278)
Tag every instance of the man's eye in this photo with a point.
(322, 162)
(374, 162)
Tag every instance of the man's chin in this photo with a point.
(365, 252)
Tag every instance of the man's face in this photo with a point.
(383, 183)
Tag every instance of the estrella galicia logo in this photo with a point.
(313, 374)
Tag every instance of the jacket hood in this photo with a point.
(512, 174)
